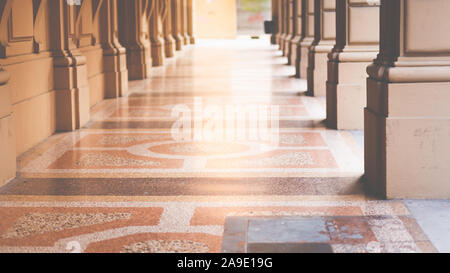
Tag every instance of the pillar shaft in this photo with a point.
(308, 39)
(70, 69)
(407, 119)
(190, 21)
(166, 17)
(280, 24)
(284, 27)
(184, 22)
(299, 34)
(7, 132)
(290, 32)
(133, 34)
(324, 40)
(114, 54)
(156, 33)
(286, 19)
(273, 37)
(177, 24)
(357, 39)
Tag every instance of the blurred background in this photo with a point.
(227, 19)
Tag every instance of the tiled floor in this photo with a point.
(124, 184)
(335, 234)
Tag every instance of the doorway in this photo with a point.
(251, 15)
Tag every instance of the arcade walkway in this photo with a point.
(122, 183)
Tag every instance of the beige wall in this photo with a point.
(215, 19)
(27, 55)
(57, 60)
(31, 74)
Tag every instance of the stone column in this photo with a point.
(7, 132)
(70, 69)
(287, 28)
(156, 39)
(184, 23)
(283, 34)
(166, 18)
(299, 34)
(190, 21)
(290, 29)
(114, 54)
(176, 25)
(407, 119)
(273, 37)
(357, 39)
(132, 35)
(305, 44)
(280, 24)
(324, 40)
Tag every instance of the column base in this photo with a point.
(116, 84)
(374, 154)
(273, 39)
(346, 95)
(278, 40)
(282, 42)
(116, 75)
(157, 53)
(185, 39)
(72, 95)
(287, 48)
(318, 72)
(192, 40)
(72, 109)
(7, 135)
(179, 41)
(295, 55)
(302, 69)
(345, 106)
(169, 47)
(139, 62)
(8, 148)
(407, 140)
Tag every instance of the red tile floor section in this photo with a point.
(124, 184)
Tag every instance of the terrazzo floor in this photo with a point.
(125, 183)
